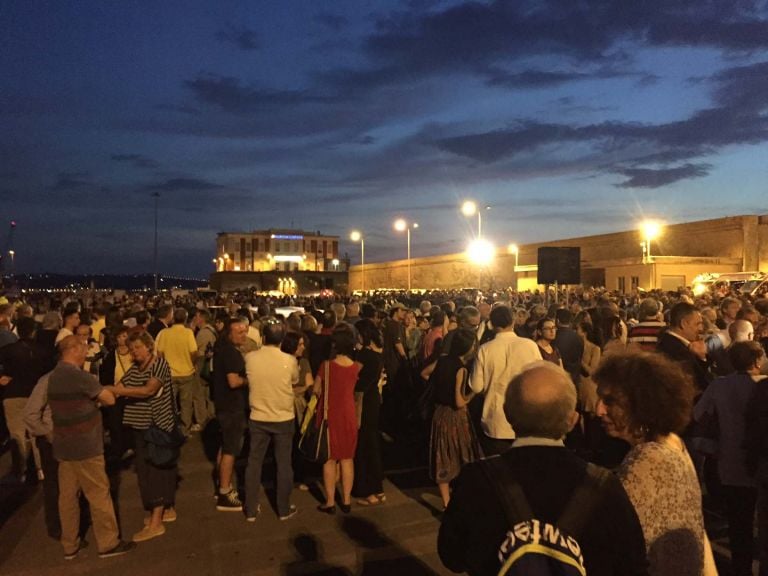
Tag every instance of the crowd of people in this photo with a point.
(521, 396)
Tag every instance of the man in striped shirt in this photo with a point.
(78, 445)
(645, 334)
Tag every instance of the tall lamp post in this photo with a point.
(402, 226)
(156, 196)
(651, 230)
(513, 249)
(470, 208)
(356, 236)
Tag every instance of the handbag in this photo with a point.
(163, 446)
(314, 443)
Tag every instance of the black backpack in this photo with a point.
(533, 547)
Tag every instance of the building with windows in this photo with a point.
(622, 261)
(291, 261)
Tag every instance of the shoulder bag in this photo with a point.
(164, 446)
(314, 442)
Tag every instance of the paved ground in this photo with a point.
(395, 538)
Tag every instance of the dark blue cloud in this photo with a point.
(239, 36)
(184, 185)
(136, 160)
(650, 178)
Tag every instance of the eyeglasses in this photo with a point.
(547, 328)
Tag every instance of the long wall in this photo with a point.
(734, 243)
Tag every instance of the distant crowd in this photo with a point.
(525, 398)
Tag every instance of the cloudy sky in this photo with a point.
(566, 117)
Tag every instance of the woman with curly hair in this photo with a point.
(646, 400)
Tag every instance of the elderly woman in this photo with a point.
(646, 400)
(147, 386)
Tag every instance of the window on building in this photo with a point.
(622, 284)
(635, 282)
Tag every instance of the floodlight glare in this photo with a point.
(468, 208)
(480, 252)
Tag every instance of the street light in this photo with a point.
(356, 236)
(402, 226)
(513, 249)
(470, 208)
(651, 230)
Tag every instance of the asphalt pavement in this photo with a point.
(397, 537)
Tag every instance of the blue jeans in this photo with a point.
(281, 434)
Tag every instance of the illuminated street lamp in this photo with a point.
(402, 226)
(513, 249)
(470, 208)
(356, 236)
(335, 264)
(480, 252)
(651, 230)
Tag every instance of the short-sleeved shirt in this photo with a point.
(177, 345)
(227, 359)
(77, 429)
(140, 413)
(272, 374)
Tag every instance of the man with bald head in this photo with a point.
(74, 397)
(541, 407)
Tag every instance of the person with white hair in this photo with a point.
(541, 406)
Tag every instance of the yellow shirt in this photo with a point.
(177, 345)
(96, 328)
(122, 363)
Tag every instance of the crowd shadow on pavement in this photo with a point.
(309, 560)
(376, 554)
(369, 540)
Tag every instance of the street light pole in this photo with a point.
(409, 258)
(403, 226)
(355, 236)
(156, 196)
(362, 264)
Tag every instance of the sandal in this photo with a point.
(370, 501)
(381, 497)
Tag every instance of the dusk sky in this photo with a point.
(566, 117)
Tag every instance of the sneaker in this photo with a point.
(147, 533)
(252, 517)
(82, 544)
(229, 502)
(195, 428)
(292, 511)
(121, 548)
(169, 515)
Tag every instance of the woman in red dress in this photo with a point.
(342, 420)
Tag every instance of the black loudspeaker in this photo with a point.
(559, 265)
